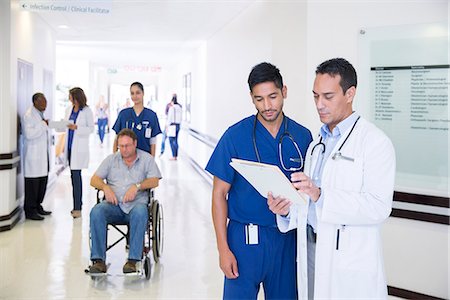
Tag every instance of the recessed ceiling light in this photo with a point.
(63, 27)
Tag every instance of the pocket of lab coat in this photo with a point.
(347, 175)
(358, 249)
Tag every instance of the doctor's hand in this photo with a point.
(130, 194)
(228, 264)
(305, 184)
(109, 195)
(278, 205)
(72, 126)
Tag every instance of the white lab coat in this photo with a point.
(80, 146)
(357, 199)
(36, 144)
(175, 114)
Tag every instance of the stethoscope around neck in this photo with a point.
(285, 134)
(337, 155)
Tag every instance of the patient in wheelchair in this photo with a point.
(128, 173)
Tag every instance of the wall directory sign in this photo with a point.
(405, 78)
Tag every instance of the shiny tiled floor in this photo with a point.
(46, 260)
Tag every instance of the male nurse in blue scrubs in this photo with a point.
(251, 248)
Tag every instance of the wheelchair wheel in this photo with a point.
(157, 230)
(147, 268)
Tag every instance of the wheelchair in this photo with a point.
(153, 239)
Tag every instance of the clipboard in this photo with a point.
(267, 178)
(59, 126)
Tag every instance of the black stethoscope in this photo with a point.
(285, 134)
(337, 154)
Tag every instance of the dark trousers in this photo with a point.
(77, 189)
(174, 142)
(34, 193)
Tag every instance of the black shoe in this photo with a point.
(43, 212)
(34, 216)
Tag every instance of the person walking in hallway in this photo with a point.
(101, 112)
(36, 157)
(164, 133)
(252, 251)
(174, 121)
(349, 179)
(143, 121)
(81, 126)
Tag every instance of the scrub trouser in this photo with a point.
(104, 213)
(77, 189)
(102, 128)
(271, 262)
(34, 194)
(163, 141)
(311, 252)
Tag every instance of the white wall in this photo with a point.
(416, 253)
(31, 40)
(258, 34)
(24, 36)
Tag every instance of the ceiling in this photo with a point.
(159, 32)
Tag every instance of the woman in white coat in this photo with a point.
(349, 179)
(77, 143)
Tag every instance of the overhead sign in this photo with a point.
(74, 6)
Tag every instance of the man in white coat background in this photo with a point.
(36, 157)
(349, 180)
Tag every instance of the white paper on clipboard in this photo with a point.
(59, 126)
(267, 178)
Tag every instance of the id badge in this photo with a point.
(251, 234)
(148, 132)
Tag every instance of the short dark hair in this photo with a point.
(174, 99)
(37, 96)
(127, 132)
(341, 67)
(265, 72)
(138, 84)
(78, 95)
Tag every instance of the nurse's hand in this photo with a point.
(228, 264)
(109, 195)
(130, 194)
(305, 185)
(278, 205)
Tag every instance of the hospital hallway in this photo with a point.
(46, 259)
(163, 68)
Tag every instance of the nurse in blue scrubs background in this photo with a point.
(143, 121)
(252, 251)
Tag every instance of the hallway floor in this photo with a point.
(46, 259)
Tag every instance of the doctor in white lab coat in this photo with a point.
(349, 181)
(35, 157)
(77, 143)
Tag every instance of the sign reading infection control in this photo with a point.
(76, 6)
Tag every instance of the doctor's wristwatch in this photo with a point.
(138, 185)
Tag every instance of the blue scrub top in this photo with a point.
(146, 125)
(245, 204)
(73, 117)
